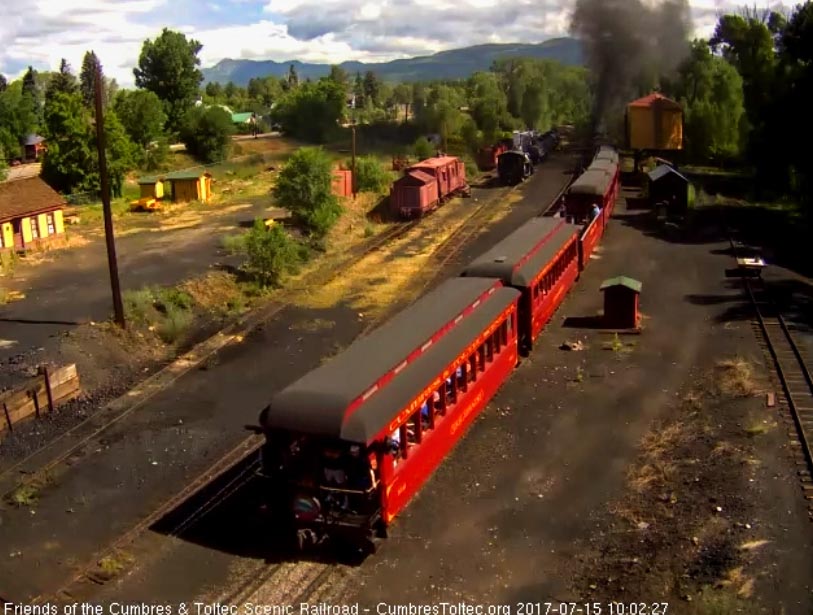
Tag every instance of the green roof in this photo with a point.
(622, 280)
(149, 179)
(185, 175)
(241, 118)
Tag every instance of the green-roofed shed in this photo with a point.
(242, 118)
(151, 186)
(190, 185)
(621, 300)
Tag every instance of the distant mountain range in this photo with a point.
(452, 64)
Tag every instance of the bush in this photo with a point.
(169, 310)
(370, 175)
(175, 322)
(207, 133)
(271, 253)
(423, 148)
(304, 188)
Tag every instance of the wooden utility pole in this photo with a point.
(118, 307)
(445, 149)
(353, 159)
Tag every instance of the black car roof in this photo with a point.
(318, 402)
(517, 259)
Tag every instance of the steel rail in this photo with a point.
(781, 370)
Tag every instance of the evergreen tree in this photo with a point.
(87, 78)
(293, 78)
(30, 83)
(62, 81)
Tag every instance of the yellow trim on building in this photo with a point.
(59, 222)
(7, 235)
(42, 221)
(25, 225)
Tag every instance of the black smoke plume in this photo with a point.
(628, 45)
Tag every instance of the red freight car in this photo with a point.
(449, 171)
(351, 442)
(487, 156)
(540, 259)
(414, 194)
(410, 199)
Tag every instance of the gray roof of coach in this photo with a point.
(373, 416)
(331, 387)
(613, 156)
(603, 164)
(501, 260)
(319, 408)
(593, 181)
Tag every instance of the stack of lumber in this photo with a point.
(38, 396)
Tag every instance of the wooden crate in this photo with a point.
(38, 396)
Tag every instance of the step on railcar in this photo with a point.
(541, 260)
(350, 443)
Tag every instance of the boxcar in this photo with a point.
(513, 167)
(351, 442)
(414, 194)
(540, 259)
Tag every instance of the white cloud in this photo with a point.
(41, 32)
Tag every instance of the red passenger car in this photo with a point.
(540, 259)
(351, 442)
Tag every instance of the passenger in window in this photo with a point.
(358, 470)
(436, 401)
(332, 467)
(395, 442)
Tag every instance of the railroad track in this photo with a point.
(793, 373)
(453, 244)
(90, 573)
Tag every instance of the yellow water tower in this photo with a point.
(654, 123)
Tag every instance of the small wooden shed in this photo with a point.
(342, 182)
(151, 187)
(667, 186)
(621, 300)
(190, 186)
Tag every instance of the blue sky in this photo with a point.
(41, 32)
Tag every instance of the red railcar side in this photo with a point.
(551, 286)
(487, 362)
(541, 260)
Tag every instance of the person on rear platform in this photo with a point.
(596, 211)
